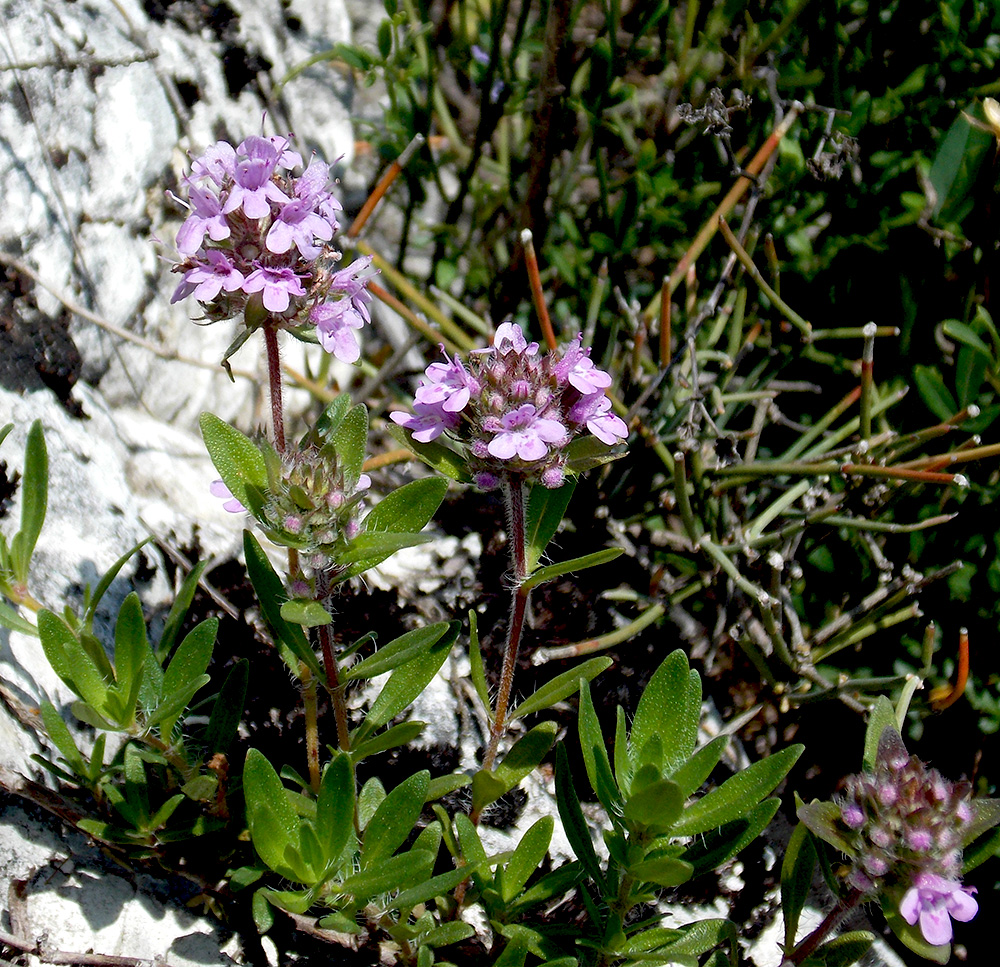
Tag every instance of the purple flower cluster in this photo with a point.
(256, 242)
(906, 825)
(513, 408)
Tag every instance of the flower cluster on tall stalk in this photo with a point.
(512, 412)
(257, 243)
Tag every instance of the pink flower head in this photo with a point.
(208, 278)
(335, 324)
(206, 217)
(935, 902)
(526, 435)
(278, 286)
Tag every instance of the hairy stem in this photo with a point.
(312, 725)
(830, 921)
(274, 384)
(333, 686)
(514, 492)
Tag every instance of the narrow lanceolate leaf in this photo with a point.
(822, 818)
(408, 509)
(796, 879)
(595, 754)
(408, 681)
(575, 826)
(368, 550)
(670, 708)
(34, 501)
(227, 713)
(106, 579)
(394, 819)
(562, 686)
(663, 871)
(699, 767)
(525, 756)
(274, 827)
(737, 794)
(236, 457)
(270, 592)
(178, 611)
(396, 873)
(305, 612)
(69, 661)
(710, 851)
(335, 808)
(546, 509)
(350, 439)
(881, 717)
(551, 571)
(528, 856)
(61, 736)
(185, 674)
(398, 651)
(331, 418)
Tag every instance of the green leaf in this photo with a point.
(560, 881)
(274, 827)
(576, 564)
(331, 418)
(985, 815)
(395, 873)
(408, 509)
(562, 686)
(471, 845)
(934, 393)
(437, 456)
(710, 851)
(664, 871)
(227, 712)
(305, 612)
(236, 457)
(796, 879)
(699, 767)
(398, 651)
(62, 738)
(595, 754)
(966, 335)
(335, 808)
(823, 819)
(9, 618)
(956, 164)
(524, 757)
(186, 672)
(370, 798)
(368, 550)
(34, 502)
(392, 738)
(478, 671)
(842, 951)
(587, 452)
(408, 681)
(270, 593)
(881, 717)
(738, 794)
(447, 933)
(546, 509)
(528, 856)
(575, 826)
(69, 660)
(394, 819)
(656, 807)
(350, 439)
(670, 707)
(439, 885)
(102, 586)
(178, 611)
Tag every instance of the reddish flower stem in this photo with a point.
(808, 946)
(274, 383)
(514, 493)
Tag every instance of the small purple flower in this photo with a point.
(595, 411)
(206, 217)
(278, 286)
(508, 338)
(218, 489)
(218, 162)
(253, 188)
(935, 902)
(577, 369)
(448, 385)
(426, 422)
(207, 279)
(526, 435)
(335, 324)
